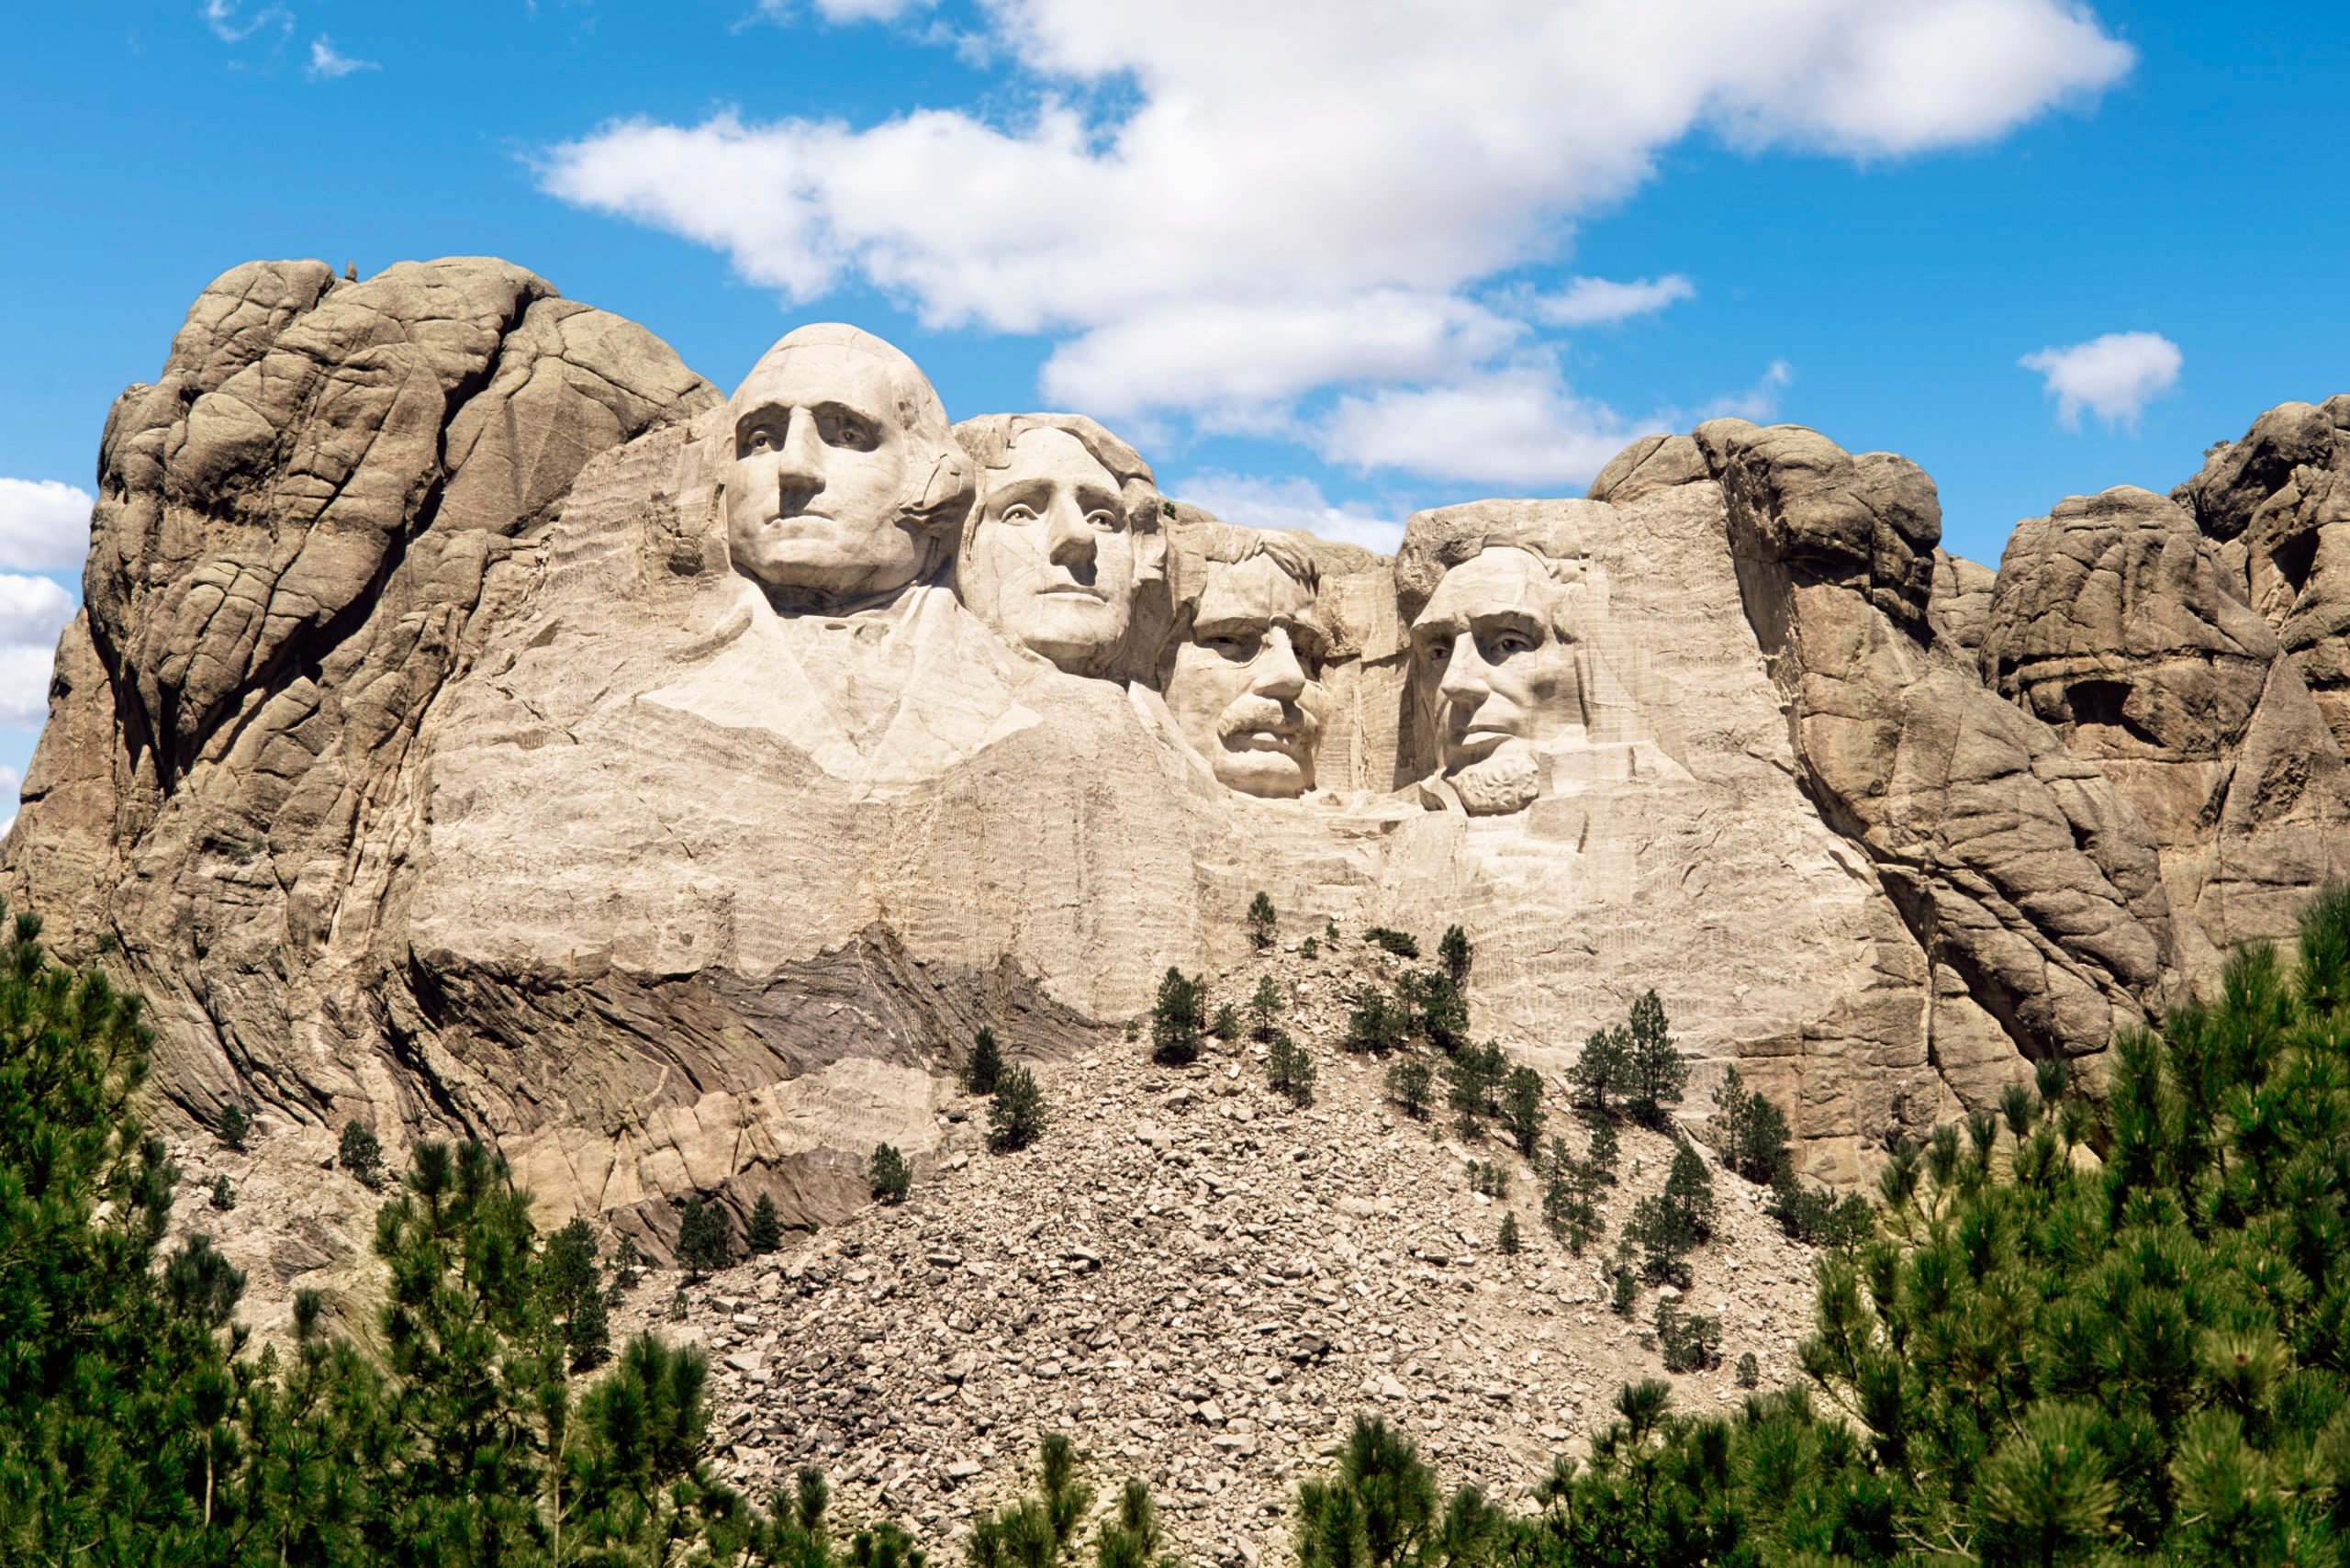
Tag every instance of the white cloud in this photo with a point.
(1288, 503)
(1517, 425)
(1759, 402)
(2114, 377)
(1281, 198)
(33, 610)
(327, 64)
(1592, 301)
(12, 785)
(841, 11)
(229, 25)
(44, 526)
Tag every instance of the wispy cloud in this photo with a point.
(231, 23)
(330, 64)
(1596, 301)
(1289, 503)
(2113, 376)
(1759, 402)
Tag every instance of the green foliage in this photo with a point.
(1476, 1076)
(1606, 1151)
(224, 1194)
(1750, 1371)
(1178, 1018)
(1329, 931)
(1130, 1538)
(1522, 1109)
(1375, 1022)
(1016, 1115)
(1409, 1083)
(360, 1152)
(1488, 1178)
(765, 1232)
(1508, 1239)
(1309, 948)
(1655, 1073)
(1043, 1528)
(1262, 921)
(1624, 1291)
(1434, 1006)
(1818, 1216)
(1689, 1341)
(1570, 1198)
(1399, 942)
(1668, 1227)
(1456, 954)
(1378, 1509)
(1225, 1024)
(1753, 1133)
(705, 1239)
(1600, 1073)
(983, 1064)
(1264, 1007)
(887, 1176)
(1288, 1069)
(234, 1126)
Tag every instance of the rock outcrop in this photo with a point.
(474, 728)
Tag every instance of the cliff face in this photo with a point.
(429, 758)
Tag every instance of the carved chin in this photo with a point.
(1509, 781)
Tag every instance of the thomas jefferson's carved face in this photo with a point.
(814, 497)
(1504, 681)
(1246, 691)
(1051, 562)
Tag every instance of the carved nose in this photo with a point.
(1071, 542)
(1278, 674)
(1464, 680)
(800, 466)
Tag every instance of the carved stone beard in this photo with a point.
(1510, 779)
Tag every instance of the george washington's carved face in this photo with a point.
(1246, 690)
(814, 496)
(1503, 674)
(1052, 561)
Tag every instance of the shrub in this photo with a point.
(1309, 948)
(1288, 1069)
(1399, 942)
(984, 1064)
(1262, 920)
(764, 1234)
(1408, 1082)
(677, 1306)
(1225, 1025)
(224, 1194)
(1178, 1019)
(1487, 1177)
(705, 1239)
(1264, 1007)
(887, 1176)
(1625, 1295)
(362, 1154)
(1604, 1151)
(1382, 1501)
(1689, 1341)
(1476, 1075)
(1522, 1109)
(1655, 1073)
(1750, 1371)
(1753, 1133)
(1509, 1240)
(1569, 1204)
(1375, 1024)
(1814, 1214)
(1435, 1008)
(1669, 1226)
(1456, 954)
(234, 1126)
(1329, 931)
(1016, 1116)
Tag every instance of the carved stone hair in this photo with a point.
(940, 483)
(1230, 546)
(1557, 542)
(989, 438)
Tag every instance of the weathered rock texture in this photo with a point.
(423, 758)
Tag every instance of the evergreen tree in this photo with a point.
(1477, 1074)
(1753, 1133)
(1017, 1115)
(1669, 1226)
(1225, 1024)
(1265, 1006)
(1375, 1024)
(224, 1194)
(362, 1154)
(1508, 1241)
(984, 1064)
(1288, 1069)
(234, 1127)
(1400, 943)
(1456, 954)
(1262, 920)
(1655, 1073)
(1435, 1008)
(1177, 1019)
(887, 1175)
(705, 1239)
(765, 1232)
(1604, 1153)
(1408, 1083)
(1522, 1109)
(1601, 1073)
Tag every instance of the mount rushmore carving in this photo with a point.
(478, 722)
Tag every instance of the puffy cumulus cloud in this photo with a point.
(1517, 425)
(2114, 377)
(330, 64)
(33, 610)
(44, 526)
(1288, 503)
(1218, 203)
(1594, 301)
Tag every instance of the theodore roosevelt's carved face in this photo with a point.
(1492, 649)
(830, 463)
(1246, 688)
(1052, 560)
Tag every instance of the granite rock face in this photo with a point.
(480, 726)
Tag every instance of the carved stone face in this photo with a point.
(1504, 681)
(814, 495)
(1051, 564)
(1246, 691)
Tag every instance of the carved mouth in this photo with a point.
(1073, 590)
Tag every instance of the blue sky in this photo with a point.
(1320, 260)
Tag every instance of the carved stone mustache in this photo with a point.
(1250, 713)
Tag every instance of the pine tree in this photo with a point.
(1262, 920)
(1604, 1153)
(887, 1175)
(1264, 1007)
(705, 1239)
(1508, 1239)
(1375, 1024)
(234, 1126)
(362, 1154)
(984, 1064)
(1601, 1073)
(224, 1194)
(1456, 954)
(1655, 1073)
(1017, 1115)
(1225, 1024)
(1408, 1083)
(1753, 1132)
(1436, 1008)
(1288, 1069)
(1177, 1019)
(1522, 1109)
(765, 1232)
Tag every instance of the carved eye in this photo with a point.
(854, 434)
(1435, 652)
(760, 439)
(1505, 644)
(1101, 521)
(1233, 645)
(1020, 512)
